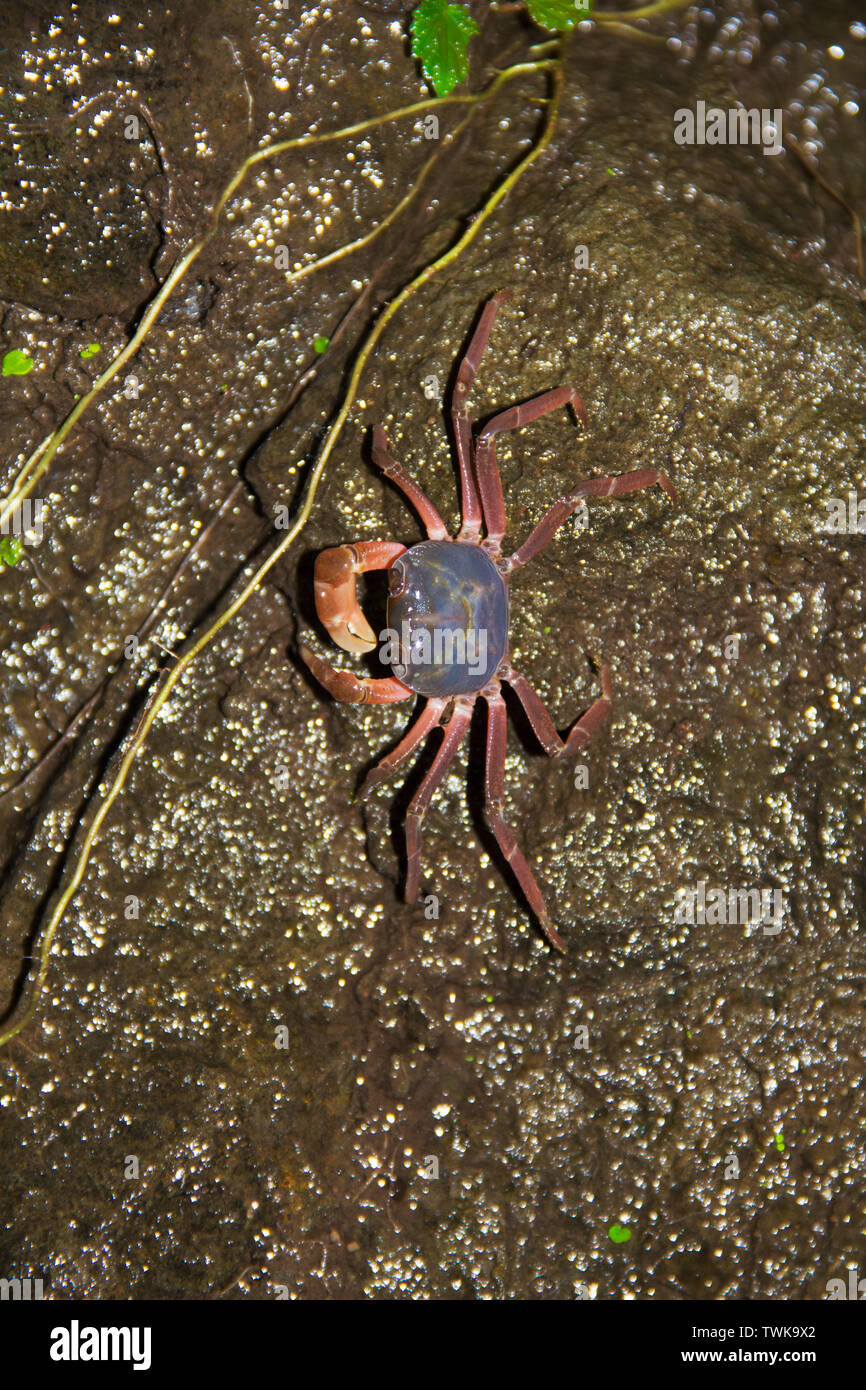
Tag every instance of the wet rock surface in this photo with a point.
(255, 1067)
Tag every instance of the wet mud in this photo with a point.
(255, 1069)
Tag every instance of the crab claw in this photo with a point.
(334, 582)
(351, 689)
(336, 600)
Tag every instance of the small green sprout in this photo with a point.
(90, 351)
(558, 14)
(441, 33)
(619, 1234)
(11, 550)
(321, 344)
(440, 39)
(16, 363)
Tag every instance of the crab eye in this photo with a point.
(397, 578)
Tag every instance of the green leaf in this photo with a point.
(11, 550)
(321, 344)
(619, 1234)
(90, 351)
(440, 38)
(559, 14)
(16, 363)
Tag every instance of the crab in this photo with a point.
(448, 615)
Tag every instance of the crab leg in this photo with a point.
(426, 721)
(542, 724)
(505, 837)
(470, 504)
(597, 487)
(352, 689)
(486, 467)
(433, 522)
(334, 583)
(454, 731)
